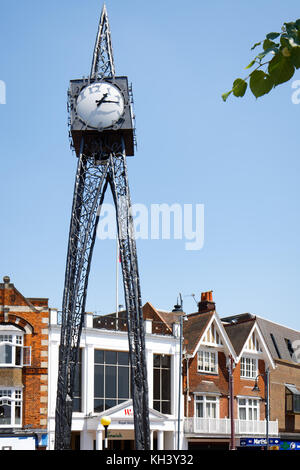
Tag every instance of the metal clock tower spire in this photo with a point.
(102, 135)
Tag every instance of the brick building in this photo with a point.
(23, 369)
(284, 346)
(215, 351)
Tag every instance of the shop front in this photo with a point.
(121, 429)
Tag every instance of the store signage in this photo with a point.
(273, 442)
(289, 445)
(260, 442)
(128, 411)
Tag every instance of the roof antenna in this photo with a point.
(194, 297)
(179, 306)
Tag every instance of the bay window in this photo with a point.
(10, 407)
(12, 351)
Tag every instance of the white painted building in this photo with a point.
(103, 385)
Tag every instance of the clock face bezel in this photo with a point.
(102, 102)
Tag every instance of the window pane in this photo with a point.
(99, 357)
(123, 382)
(199, 410)
(242, 413)
(98, 406)
(110, 382)
(99, 381)
(156, 405)
(18, 356)
(166, 408)
(110, 357)
(156, 360)
(18, 414)
(296, 404)
(110, 404)
(5, 354)
(166, 384)
(123, 358)
(5, 414)
(76, 404)
(156, 385)
(165, 361)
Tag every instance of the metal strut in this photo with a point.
(94, 173)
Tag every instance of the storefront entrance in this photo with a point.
(115, 444)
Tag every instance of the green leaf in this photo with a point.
(239, 87)
(251, 64)
(280, 69)
(295, 57)
(260, 83)
(297, 24)
(267, 44)
(255, 45)
(225, 95)
(272, 35)
(284, 42)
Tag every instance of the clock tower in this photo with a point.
(102, 136)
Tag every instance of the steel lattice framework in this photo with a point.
(101, 163)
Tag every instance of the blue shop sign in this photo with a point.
(258, 442)
(289, 445)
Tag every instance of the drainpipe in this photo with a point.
(231, 402)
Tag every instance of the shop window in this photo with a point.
(162, 383)
(111, 379)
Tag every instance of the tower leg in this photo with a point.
(139, 385)
(88, 194)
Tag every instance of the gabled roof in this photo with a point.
(15, 297)
(239, 333)
(195, 328)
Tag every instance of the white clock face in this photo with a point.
(100, 105)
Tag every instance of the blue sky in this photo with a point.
(240, 159)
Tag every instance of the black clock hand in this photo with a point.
(109, 101)
(102, 99)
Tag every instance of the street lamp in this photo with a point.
(265, 378)
(105, 421)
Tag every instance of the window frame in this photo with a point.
(15, 341)
(116, 367)
(203, 351)
(253, 370)
(206, 398)
(161, 402)
(248, 407)
(15, 399)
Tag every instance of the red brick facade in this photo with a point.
(31, 316)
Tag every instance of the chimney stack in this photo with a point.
(206, 304)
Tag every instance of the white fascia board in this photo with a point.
(267, 355)
(226, 342)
